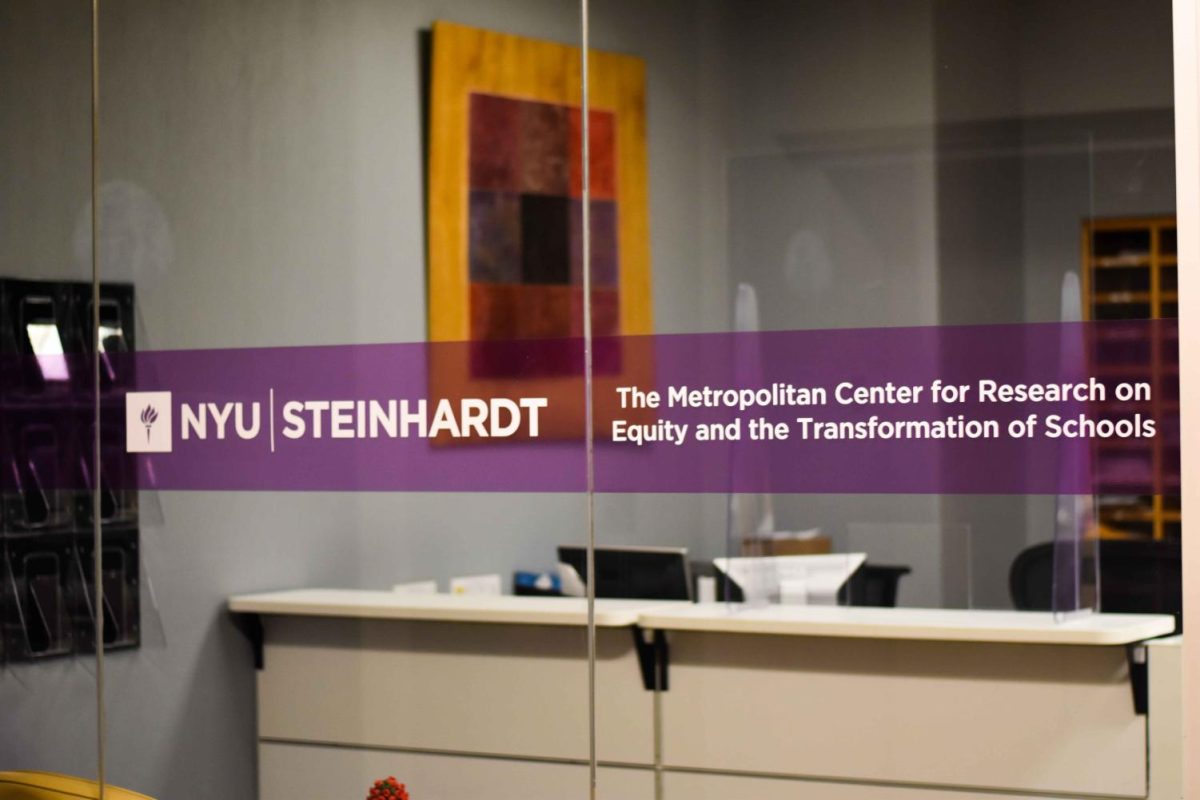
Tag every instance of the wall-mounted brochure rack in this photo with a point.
(47, 474)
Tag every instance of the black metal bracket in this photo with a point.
(653, 658)
(252, 628)
(1137, 656)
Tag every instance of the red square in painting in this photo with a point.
(606, 328)
(494, 146)
(606, 312)
(522, 312)
(545, 312)
(495, 311)
(544, 142)
(503, 314)
(603, 144)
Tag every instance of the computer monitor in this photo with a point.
(643, 573)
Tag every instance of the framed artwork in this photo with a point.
(505, 219)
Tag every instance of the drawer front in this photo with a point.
(1027, 718)
(514, 690)
(697, 786)
(303, 772)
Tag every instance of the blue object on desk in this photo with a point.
(536, 583)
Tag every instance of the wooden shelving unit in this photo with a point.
(1130, 271)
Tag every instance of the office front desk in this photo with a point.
(469, 697)
(901, 703)
(459, 696)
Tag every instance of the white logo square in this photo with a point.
(148, 422)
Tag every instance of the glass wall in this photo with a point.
(49, 673)
(893, 192)
(863, 166)
(383, 295)
(276, 166)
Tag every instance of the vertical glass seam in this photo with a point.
(588, 410)
(97, 537)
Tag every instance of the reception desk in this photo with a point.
(460, 696)
(900, 703)
(466, 697)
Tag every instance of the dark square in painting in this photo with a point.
(495, 143)
(545, 235)
(495, 237)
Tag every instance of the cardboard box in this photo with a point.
(808, 546)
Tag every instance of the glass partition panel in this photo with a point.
(350, 228)
(879, 233)
(48, 667)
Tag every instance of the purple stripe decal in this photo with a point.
(863, 411)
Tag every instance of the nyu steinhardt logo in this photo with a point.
(149, 429)
(148, 422)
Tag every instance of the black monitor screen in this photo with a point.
(643, 573)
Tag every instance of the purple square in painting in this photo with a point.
(606, 356)
(544, 156)
(604, 243)
(514, 359)
(495, 237)
(495, 142)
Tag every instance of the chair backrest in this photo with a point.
(1136, 576)
(873, 585)
(1031, 578)
(53, 786)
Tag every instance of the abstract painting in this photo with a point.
(506, 214)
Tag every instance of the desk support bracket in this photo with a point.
(653, 657)
(252, 628)
(1136, 655)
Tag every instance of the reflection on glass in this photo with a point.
(47, 347)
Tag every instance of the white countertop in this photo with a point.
(951, 625)
(445, 607)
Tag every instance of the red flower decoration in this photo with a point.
(388, 789)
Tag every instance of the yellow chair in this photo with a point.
(52, 786)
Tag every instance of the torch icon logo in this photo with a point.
(148, 422)
(149, 415)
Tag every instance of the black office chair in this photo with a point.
(873, 585)
(1137, 576)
